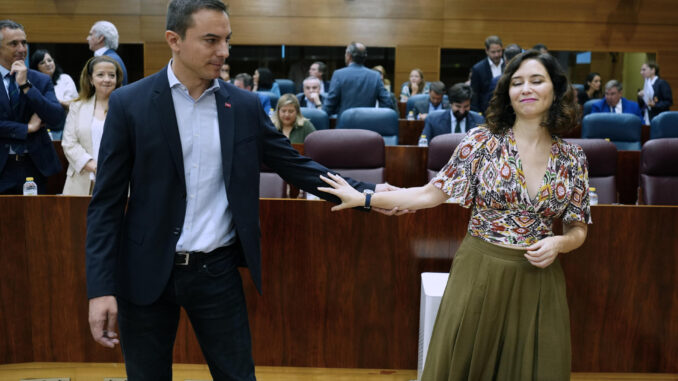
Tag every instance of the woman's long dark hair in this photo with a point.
(564, 113)
(265, 79)
(38, 56)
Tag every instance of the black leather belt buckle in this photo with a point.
(182, 258)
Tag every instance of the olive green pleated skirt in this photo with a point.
(500, 318)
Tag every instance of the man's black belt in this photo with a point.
(186, 258)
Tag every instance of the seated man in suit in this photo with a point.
(244, 81)
(434, 102)
(460, 118)
(103, 40)
(311, 97)
(614, 102)
(27, 100)
(355, 85)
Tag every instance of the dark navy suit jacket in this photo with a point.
(662, 91)
(355, 86)
(131, 244)
(41, 100)
(113, 54)
(440, 122)
(628, 107)
(481, 83)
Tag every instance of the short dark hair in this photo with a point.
(358, 52)
(460, 92)
(180, 13)
(564, 113)
(512, 51)
(265, 79)
(38, 56)
(539, 47)
(493, 40)
(653, 65)
(321, 67)
(245, 78)
(10, 25)
(437, 87)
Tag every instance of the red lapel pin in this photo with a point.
(227, 105)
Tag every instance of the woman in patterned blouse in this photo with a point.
(504, 314)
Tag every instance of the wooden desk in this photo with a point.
(342, 289)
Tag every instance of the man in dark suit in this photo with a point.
(614, 102)
(656, 96)
(355, 85)
(311, 97)
(435, 101)
(103, 40)
(483, 72)
(27, 100)
(459, 119)
(189, 148)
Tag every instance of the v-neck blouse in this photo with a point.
(485, 172)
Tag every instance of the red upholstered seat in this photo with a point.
(659, 172)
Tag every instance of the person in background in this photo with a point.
(311, 97)
(656, 96)
(436, 101)
(511, 51)
(317, 70)
(289, 121)
(103, 40)
(85, 123)
(225, 72)
(64, 87)
(460, 118)
(504, 313)
(263, 81)
(541, 48)
(387, 85)
(483, 72)
(244, 81)
(591, 89)
(614, 102)
(416, 85)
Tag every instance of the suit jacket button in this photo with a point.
(177, 231)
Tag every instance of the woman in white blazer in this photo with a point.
(85, 123)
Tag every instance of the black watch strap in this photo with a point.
(26, 85)
(368, 200)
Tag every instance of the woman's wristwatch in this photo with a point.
(368, 198)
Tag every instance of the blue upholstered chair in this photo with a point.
(272, 97)
(412, 100)
(602, 159)
(580, 88)
(623, 130)
(381, 120)
(359, 154)
(318, 117)
(287, 86)
(588, 105)
(664, 125)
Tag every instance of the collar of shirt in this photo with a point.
(174, 82)
(462, 123)
(652, 80)
(493, 66)
(100, 51)
(5, 78)
(618, 107)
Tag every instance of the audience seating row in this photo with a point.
(625, 130)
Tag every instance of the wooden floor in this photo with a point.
(185, 372)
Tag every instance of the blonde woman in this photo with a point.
(289, 121)
(85, 123)
(416, 85)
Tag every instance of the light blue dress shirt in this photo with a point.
(208, 223)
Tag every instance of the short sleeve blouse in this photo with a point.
(485, 172)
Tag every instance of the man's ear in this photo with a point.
(173, 39)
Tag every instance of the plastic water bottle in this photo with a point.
(49, 132)
(593, 196)
(410, 115)
(423, 142)
(30, 187)
(271, 112)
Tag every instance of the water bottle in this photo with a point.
(30, 187)
(593, 196)
(49, 132)
(423, 142)
(271, 112)
(410, 115)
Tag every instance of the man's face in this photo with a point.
(314, 71)
(202, 51)
(12, 47)
(461, 109)
(94, 41)
(612, 96)
(311, 87)
(239, 84)
(435, 98)
(495, 52)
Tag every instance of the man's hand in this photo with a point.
(19, 70)
(103, 314)
(422, 116)
(386, 187)
(34, 123)
(315, 98)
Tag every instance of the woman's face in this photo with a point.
(595, 83)
(415, 77)
(646, 71)
(255, 77)
(287, 115)
(103, 79)
(531, 90)
(47, 65)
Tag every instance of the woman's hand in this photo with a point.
(91, 166)
(544, 252)
(350, 197)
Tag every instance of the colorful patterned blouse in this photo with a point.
(485, 172)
